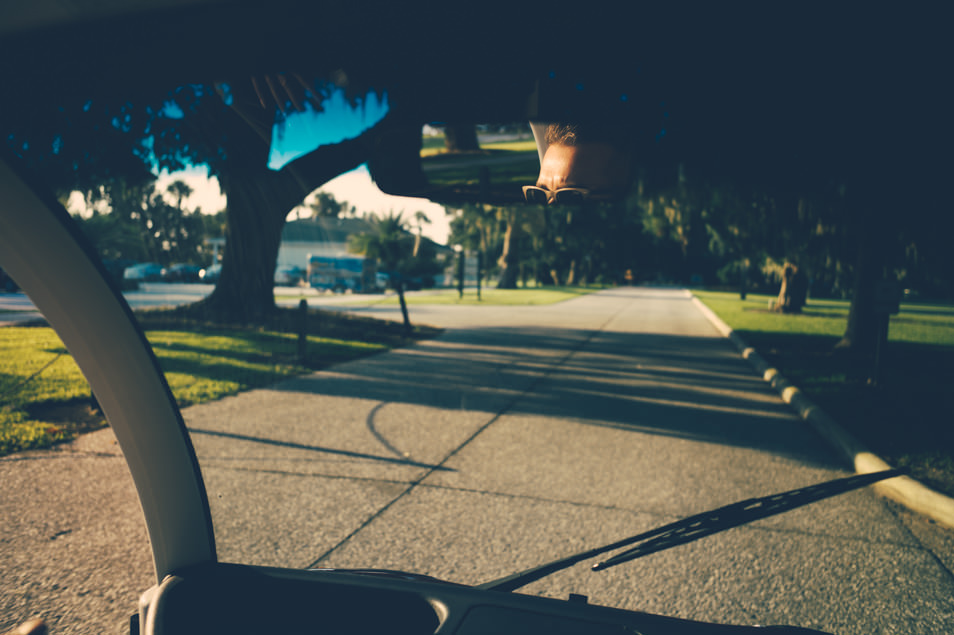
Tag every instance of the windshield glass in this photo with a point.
(404, 337)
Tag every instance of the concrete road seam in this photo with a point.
(903, 489)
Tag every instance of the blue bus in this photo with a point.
(342, 274)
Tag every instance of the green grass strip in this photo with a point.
(905, 415)
(44, 397)
(917, 323)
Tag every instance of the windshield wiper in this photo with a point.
(695, 527)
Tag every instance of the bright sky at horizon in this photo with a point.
(354, 187)
(357, 188)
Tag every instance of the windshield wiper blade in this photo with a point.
(695, 527)
(741, 513)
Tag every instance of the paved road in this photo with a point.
(521, 435)
(17, 307)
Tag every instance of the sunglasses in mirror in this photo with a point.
(562, 196)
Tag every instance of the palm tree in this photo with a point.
(420, 219)
(325, 204)
(390, 244)
(180, 190)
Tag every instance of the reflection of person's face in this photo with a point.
(594, 166)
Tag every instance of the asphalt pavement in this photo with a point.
(521, 435)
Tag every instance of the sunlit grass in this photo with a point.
(898, 407)
(522, 145)
(34, 367)
(27, 351)
(433, 146)
(465, 169)
(205, 366)
(40, 384)
(917, 322)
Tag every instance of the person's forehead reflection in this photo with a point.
(594, 158)
(594, 166)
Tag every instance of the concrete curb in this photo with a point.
(902, 489)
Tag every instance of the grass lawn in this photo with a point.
(533, 296)
(494, 173)
(464, 169)
(45, 398)
(906, 417)
(433, 146)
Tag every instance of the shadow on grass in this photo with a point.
(807, 313)
(904, 417)
(330, 324)
(264, 351)
(273, 346)
(945, 310)
(269, 357)
(72, 416)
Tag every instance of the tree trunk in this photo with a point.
(509, 257)
(245, 291)
(407, 319)
(571, 275)
(259, 199)
(794, 291)
(460, 137)
(862, 330)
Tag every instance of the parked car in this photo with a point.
(211, 273)
(289, 276)
(182, 272)
(144, 272)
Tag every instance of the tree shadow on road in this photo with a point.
(688, 387)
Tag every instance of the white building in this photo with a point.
(321, 236)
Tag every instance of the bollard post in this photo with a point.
(460, 274)
(302, 331)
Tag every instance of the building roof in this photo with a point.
(324, 229)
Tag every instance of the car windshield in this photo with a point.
(406, 337)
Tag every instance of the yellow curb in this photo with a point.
(902, 489)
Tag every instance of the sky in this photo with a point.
(357, 188)
(339, 120)
(302, 132)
